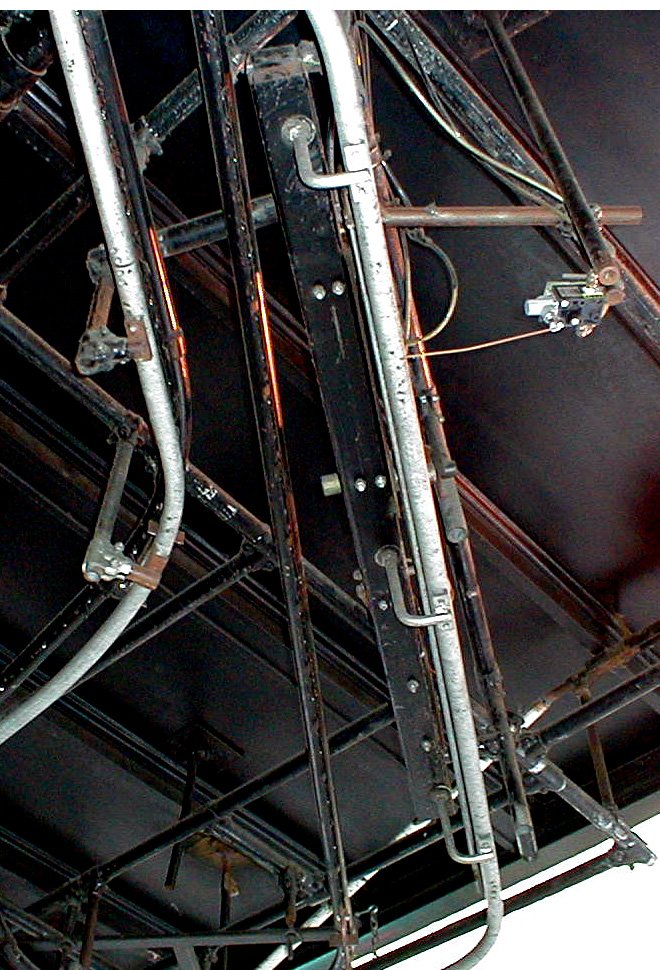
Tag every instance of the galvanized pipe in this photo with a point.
(126, 263)
(390, 352)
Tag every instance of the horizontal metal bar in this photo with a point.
(243, 938)
(203, 230)
(615, 700)
(467, 216)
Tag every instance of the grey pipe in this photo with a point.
(126, 266)
(408, 446)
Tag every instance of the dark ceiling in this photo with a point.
(556, 442)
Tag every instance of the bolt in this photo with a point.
(360, 485)
(427, 744)
(609, 275)
(92, 576)
(380, 481)
(338, 287)
(357, 575)
(413, 687)
(319, 291)
(382, 605)
(119, 546)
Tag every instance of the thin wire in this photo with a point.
(482, 346)
(448, 128)
(422, 238)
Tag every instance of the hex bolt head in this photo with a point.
(413, 685)
(319, 291)
(426, 744)
(380, 481)
(360, 484)
(338, 287)
(382, 605)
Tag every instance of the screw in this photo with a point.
(413, 687)
(382, 605)
(427, 744)
(338, 287)
(380, 481)
(360, 485)
(319, 291)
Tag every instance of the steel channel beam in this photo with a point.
(279, 80)
(487, 124)
(220, 808)
(217, 85)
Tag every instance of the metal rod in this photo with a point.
(232, 177)
(186, 808)
(203, 230)
(408, 447)
(580, 213)
(597, 753)
(485, 122)
(225, 805)
(243, 938)
(615, 700)
(210, 228)
(89, 931)
(468, 216)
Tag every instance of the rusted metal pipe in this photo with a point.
(473, 216)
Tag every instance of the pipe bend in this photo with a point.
(88, 111)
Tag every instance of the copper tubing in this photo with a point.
(472, 216)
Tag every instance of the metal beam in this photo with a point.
(220, 97)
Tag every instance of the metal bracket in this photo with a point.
(300, 132)
(388, 558)
(443, 795)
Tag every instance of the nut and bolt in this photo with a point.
(357, 575)
(360, 484)
(413, 687)
(426, 744)
(338, 287)
(380, 481)
(319, 291)
(382, 605)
